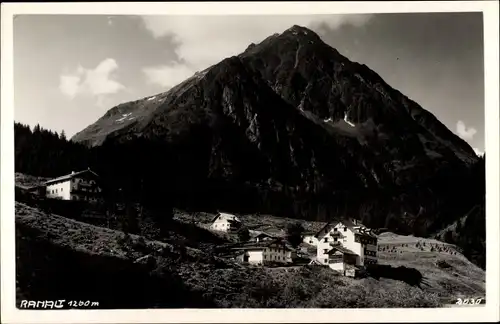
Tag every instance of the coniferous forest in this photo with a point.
(45, 153)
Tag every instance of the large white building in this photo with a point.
(225, 222)
(265, 252)
(82, 185)
(346, 245)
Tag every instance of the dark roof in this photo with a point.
(70, 176)
(341, 249)
(227, 216)
(262, 245)
(365, 232)
(329, 224)
(356, 226)
(257, 234)
(37, 187)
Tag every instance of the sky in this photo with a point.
(70, 69)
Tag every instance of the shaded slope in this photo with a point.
(316, 77)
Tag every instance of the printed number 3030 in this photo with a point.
(469, 301)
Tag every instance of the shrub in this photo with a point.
(140, 245)
(124, 241)
(243, 234)
(443, 264)
(294, 234)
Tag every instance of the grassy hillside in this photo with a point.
(127, 271)
(27, 181)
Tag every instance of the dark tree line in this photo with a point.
(125, 175)
(42, 152)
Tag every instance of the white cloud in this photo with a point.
(206, 40)
(167, 75)
(91, 82)
(465, 132)
(69, 85)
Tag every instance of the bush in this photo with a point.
(443, 264)
(125, 241)
(243, 234)
(294, 234)
(140, 245)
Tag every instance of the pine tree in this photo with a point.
(63, 135)
(243, 234)
(294, 234)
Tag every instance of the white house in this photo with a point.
(225, 222)
(257, 237)
(346, 244)
(262, 253)
(82, 185)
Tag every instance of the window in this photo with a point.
(326, 239)
(325, 251)
(326, 260)
(335, 229)
(345, 228)
(310, 241)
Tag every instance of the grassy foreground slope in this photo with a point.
(59, 258)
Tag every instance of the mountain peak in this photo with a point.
(297, 30)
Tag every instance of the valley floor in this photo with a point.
(64, 258)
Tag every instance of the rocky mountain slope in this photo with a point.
(293, 128)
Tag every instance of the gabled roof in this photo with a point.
(353, 225)
(70, 176)
(255, 234)
(329, 224)
(227, 217)
(263, 245)
(365, 231)
(341, 249)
